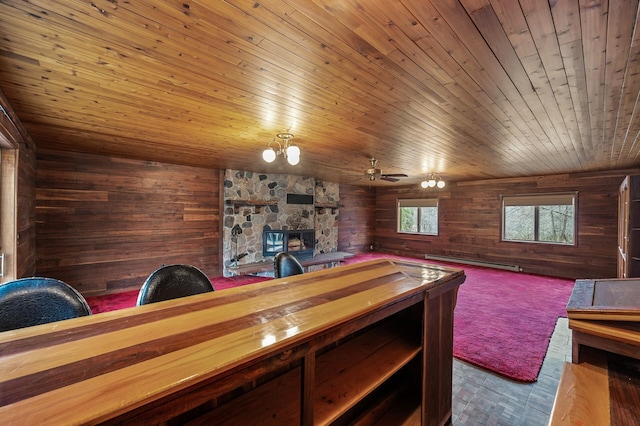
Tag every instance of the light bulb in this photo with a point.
(269, 155)
(293, 151)
(424, 184)
(293, 160)
(441, 184)
(431, 183)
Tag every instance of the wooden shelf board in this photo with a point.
(400, 407)
(344, 376)
(253, 202)
(349, 373)
(582, 396)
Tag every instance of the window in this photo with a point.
(547, 218)
(419, 216)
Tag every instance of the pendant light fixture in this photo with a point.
(432, 181)
(285, 147)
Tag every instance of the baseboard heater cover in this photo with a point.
(514, 268)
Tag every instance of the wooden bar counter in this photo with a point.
(342, 345)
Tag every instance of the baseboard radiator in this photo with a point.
(514, 268)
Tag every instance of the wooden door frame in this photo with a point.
(8, 207)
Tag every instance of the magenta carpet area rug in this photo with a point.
(127, 299)
(503, 320)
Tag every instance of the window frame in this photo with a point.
(417, 203)
(537, 200)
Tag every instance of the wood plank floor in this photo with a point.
(483, 398)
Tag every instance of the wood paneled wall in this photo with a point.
(470, 221)
(357, 218)
(26, 211)
(104, 223)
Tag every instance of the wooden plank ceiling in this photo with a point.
(469, 89)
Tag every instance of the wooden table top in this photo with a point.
(601, 391)
(90, 369)
(605, 299)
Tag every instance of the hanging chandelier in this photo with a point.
(432, 181)
(285, 147)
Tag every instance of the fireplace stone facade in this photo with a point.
(255, 202)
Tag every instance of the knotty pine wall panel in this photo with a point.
(26, 208)
(105, 223)
(470, 221)
(356, 219)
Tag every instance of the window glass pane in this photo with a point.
(519, 223)
(556, 224)
(548, 218)
(408, 219)
(418, 216)
(429, 220)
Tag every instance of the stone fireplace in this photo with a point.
(259, 202)
(300, 242)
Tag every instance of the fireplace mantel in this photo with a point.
(256, 204)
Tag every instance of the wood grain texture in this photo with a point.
(470, 89)
(117, 362)
(470, 214)
(583, 394)
(356, 220)
(602, 390)
(104, 224)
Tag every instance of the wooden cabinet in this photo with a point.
(629, 228)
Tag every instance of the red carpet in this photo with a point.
(503, 320)
(127, 299)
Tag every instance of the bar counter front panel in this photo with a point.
(336, 345)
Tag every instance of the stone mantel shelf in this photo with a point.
(257, 204)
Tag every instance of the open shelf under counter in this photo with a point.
(343, 377)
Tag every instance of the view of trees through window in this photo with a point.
(529, 221)
(548, 218)
(418, 216)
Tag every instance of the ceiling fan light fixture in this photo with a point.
(374, 173)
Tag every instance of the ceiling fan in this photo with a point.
(374, 173)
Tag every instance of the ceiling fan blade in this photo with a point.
(389, 179)
(394, 175)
